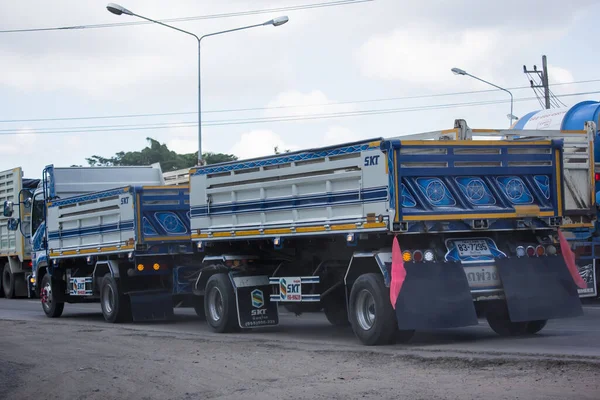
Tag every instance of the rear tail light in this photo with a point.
(551, 250)
(531, 251)
(406, 256)
(418, 256)
(540, 251)
(597, 176)
(521, 251)
(429, 256)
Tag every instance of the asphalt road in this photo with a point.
(81, 356)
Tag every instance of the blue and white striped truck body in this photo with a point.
(477, 220)
(118, 243)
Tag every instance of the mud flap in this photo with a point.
(538, 288)
(151, 305)
(435, 296)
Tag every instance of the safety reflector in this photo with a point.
(435, 296)
(538, 288)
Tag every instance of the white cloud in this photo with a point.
(339, 134)
(559, 75)
(296, 103)
(259, 143)
(422, 55)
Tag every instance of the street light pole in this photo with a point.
(458, 71)
(118, 10)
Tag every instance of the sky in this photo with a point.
(374, 56)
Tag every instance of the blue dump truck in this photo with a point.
(582, 233)
(476, 222)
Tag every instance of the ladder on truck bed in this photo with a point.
(578, 162)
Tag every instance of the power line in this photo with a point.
(138, 127)
(286, 106)
(195, 18)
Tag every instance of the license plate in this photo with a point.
(483, 277)
(472, 248)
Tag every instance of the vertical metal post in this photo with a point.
(200, 162)
(545, 82)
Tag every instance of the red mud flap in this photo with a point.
(538, 288)
(435, 296)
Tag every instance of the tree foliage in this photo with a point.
(157, 152)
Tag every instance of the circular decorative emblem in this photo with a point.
(514, 189)
(475, 190)
(435, 191)
(170, 222)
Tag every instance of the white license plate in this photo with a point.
(472, 248)
(483, 277)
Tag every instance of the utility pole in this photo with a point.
(543, 75)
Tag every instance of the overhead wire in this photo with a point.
(137, 127)
(232, 110)
(334, 3)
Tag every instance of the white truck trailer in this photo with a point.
(15, 248)
(477, 223)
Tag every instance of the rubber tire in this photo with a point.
(122, 307)
(228, 321)
(500, 323)
(534, 327)
(336, 313)
(8, 276)
(56, 309)
(385, 327)
(1, 288)
(198, 302)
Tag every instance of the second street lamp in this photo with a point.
(458, 71)
(119, 10)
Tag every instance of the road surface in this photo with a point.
(79, 356)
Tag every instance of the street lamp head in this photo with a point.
(458, 71)
(117, 9)
(277, 21)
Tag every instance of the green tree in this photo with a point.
(157, 152)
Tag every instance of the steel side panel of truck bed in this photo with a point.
(95, 223)
(117, 220)
(11, 242)
(377, 185)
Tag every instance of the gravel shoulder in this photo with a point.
(58, 360)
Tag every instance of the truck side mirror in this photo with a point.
(8, 208)
(12, 224)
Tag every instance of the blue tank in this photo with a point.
(568, 119)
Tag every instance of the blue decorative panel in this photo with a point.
(147, 228)
(171, 223)
(514, 188)
(407, 199)
(543, 183)
(436, 192)
(476, 191)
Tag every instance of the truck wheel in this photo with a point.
(534, 327)
(219, 304)
(8, 282)
(371, 314)
(115, 305)
(199, 307)
(51, 307)
(500, 323)
(336, 314)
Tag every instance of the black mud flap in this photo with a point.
(151, 305)
(255, 310)
(538, 288)
(435, 296)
